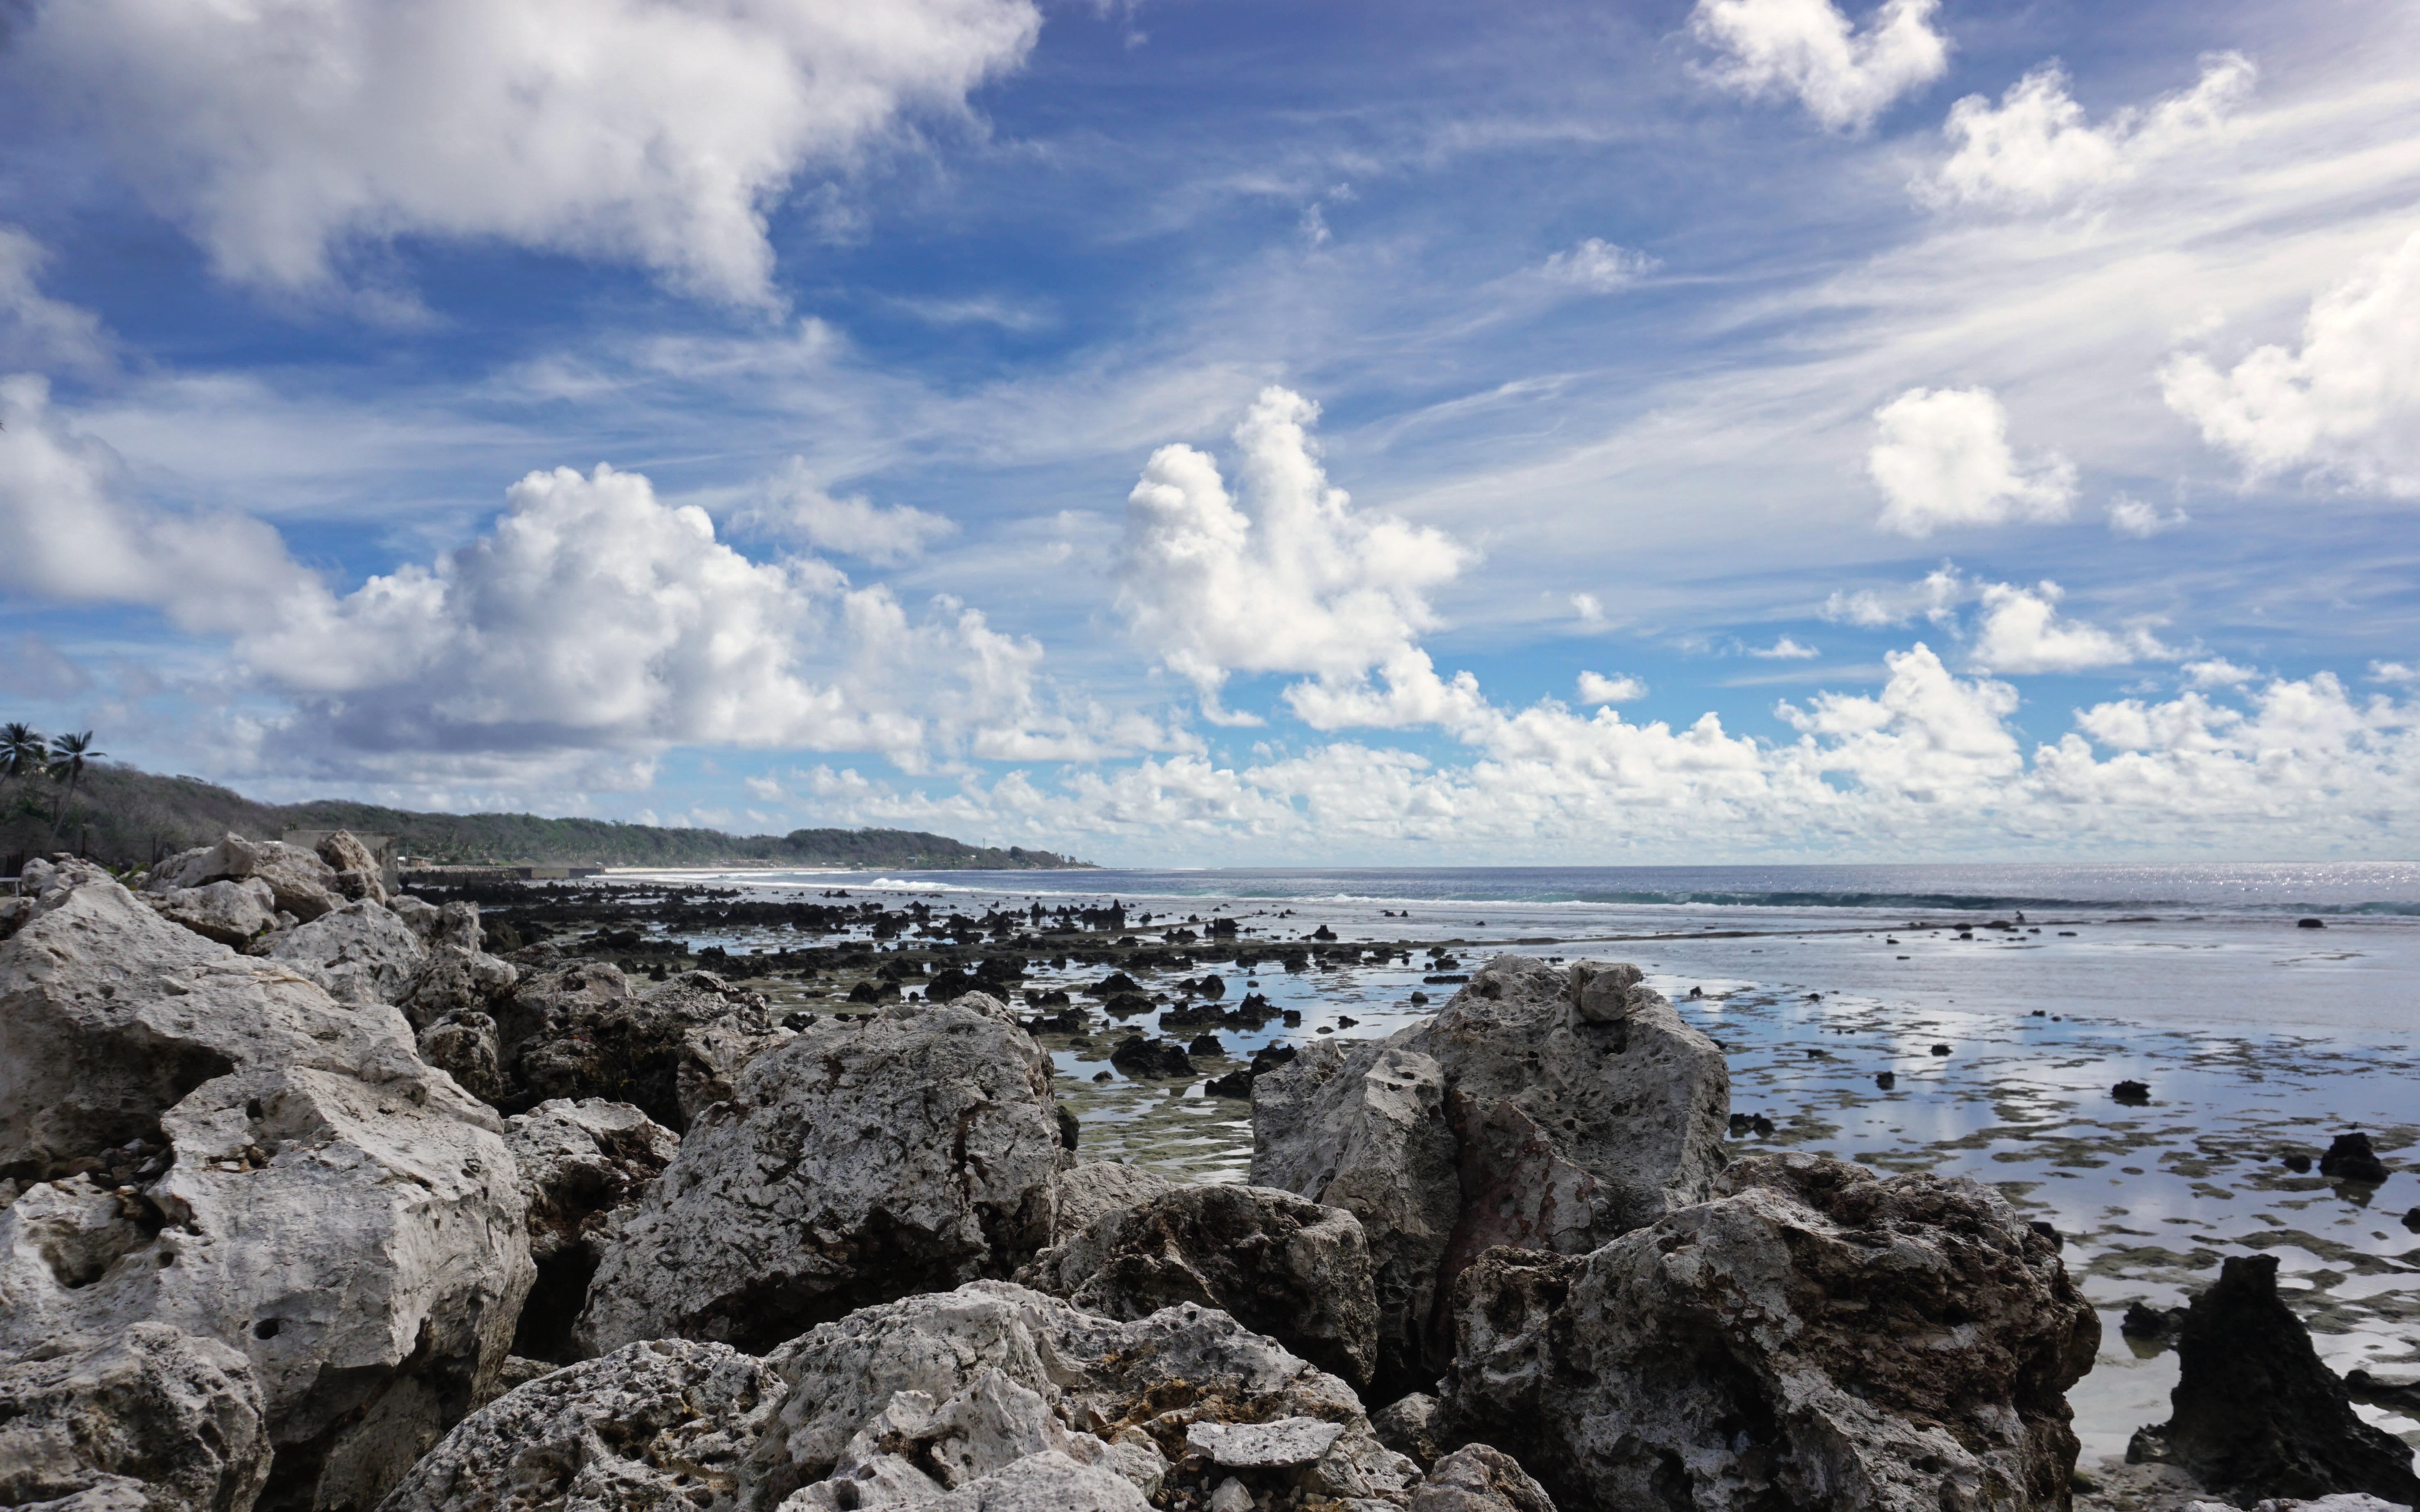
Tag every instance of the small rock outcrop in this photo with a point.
(232, 913)
(1155, 1400)
(1542, 1108)
(2352, 1158)
(582, 1031)
(287, 1178)
(1814, 1338)
(1279, 1264)
(584, 1167)
(666, 1422)
(865, 1159)
(1091, 1190)
(151, 1419)
(299, 881)
(1481, 1479)
(2257, 1413)
(362, 952)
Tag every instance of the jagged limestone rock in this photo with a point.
(1544, 1107)
(323, 1201)
(1279, 1264)
(865, 1159)
(1813, 1338)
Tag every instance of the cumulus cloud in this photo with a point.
(795, 507)
(1785, 649)
(1590, 610)
(2035, 148)
(2132, 516)
(2345, 404)
(1845, 75)
(1598, 265)
(1619, 688)
(1941, 457)
(1285, 576)
(2021, 630)
(2217, 672)
(2392, 671)
(652, 131)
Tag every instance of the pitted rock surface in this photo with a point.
(1279, 1264)
(322, 1202)
(1544, 1107)
(664, 1423)
(581, 1031)
(1135, 1387)
(584, 1167)
(156, 1416)
(1816, 1338)
(865, 1159)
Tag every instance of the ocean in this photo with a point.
(2005, 1000)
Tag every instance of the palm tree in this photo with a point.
(23, 753)
(68, 755)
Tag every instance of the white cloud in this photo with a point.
(2392, 671)
(1934, 598)
(1942, 458)
(1591, 609)
(2035, 148)
(794, 506)
(1845, 76)
(1599, 266)
(1785, 649)
(1291, 579)
(67, 532)
(2347, 404)
(36, 331)
(2217, 673)
(2021, 630)
(281, 131)
(1619, 688)
(2132, 516)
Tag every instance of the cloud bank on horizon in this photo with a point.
(1773, 430)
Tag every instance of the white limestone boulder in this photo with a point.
(664, 1423)
(1280, 1265)
(1544, 1107)
(155, 1417)
(1813, 1338)
(321, 1200)
(231, 913)
(864, 1159)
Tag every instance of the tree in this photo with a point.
(23, 753)
(68, 756)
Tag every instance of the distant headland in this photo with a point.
(124, 816)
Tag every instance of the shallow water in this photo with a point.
(2258, 1038)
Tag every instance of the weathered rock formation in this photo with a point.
(287, 1180)
(300, 883)
(583, 1167)
(151, 1419)
(2255, 1412)
(1279, 1264)
(863, 1159)
(582, 1031)
(1815, 1339)
(1481, 1478)
(1123, 1397)
(1091, 1190)
(664, 1423)
(1542, 1108)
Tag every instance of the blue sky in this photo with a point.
(1243, 433)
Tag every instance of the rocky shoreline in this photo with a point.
(313, 1201)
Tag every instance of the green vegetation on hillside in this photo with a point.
(124, 816)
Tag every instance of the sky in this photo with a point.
(1204, 434)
